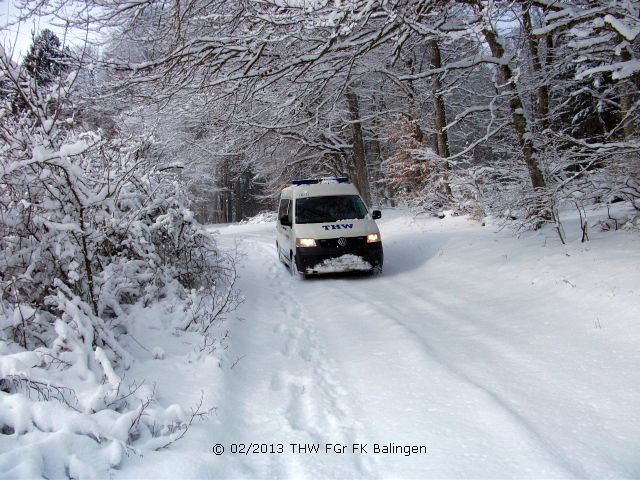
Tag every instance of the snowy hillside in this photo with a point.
(492, 356)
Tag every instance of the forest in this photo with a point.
(501, 108)
(127, 125)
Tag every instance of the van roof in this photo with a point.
(312, 181)
(319, 190)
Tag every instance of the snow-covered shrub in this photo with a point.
(88, 229)
(403, 172)
(417, 175)
(266, 216)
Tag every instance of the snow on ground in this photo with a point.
(499, 356)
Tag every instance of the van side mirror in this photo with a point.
(376, 214)
(285, 221)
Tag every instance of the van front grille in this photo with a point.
(350, 242)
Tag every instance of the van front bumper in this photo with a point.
(309, 257)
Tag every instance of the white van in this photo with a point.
(324, 226)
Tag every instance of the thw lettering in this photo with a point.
(341, 226)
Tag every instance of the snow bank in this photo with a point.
(263, 217)
(67, 413)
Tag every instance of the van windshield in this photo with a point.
(329, 209)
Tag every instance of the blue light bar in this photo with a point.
(312, 181)
(305, 181)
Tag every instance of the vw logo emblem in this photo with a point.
(342, 241)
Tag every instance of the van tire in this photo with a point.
(280, 257)
(293, 267)
(376, 270)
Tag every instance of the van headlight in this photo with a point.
(373, 237)
(305, 242)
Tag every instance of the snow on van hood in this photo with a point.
(342, 228)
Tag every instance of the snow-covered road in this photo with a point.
(501, 357)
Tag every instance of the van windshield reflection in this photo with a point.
(330, 208)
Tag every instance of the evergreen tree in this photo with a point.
(46, 59)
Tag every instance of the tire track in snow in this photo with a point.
(312, 404)
(316, 404)
(517, 418)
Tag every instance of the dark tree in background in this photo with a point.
(46, 58)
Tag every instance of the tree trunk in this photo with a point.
(442, 139)
(534, 51)
(225, 193)
(517, 113)
(377, 152)
(386, 192)
(359, 160)
(438, 103)
(239, 199)
(627, 90)
(229, 204)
